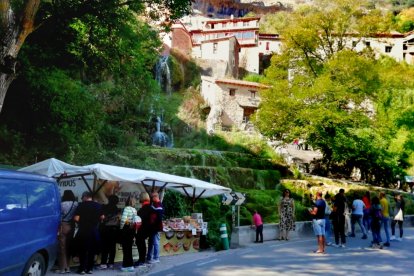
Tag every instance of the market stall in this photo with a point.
(180, 234)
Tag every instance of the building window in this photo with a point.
(245, 24)
(388, 49)
(354, 43)
(212, 26)
(405, 46)
(248, 35)
(367, 43)
(252, 94)
(267, 46)
(215, 48)
(232, 92)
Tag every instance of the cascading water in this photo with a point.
(160, 138)
(163, 74)
(163, 77)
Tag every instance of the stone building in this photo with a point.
(232, 102)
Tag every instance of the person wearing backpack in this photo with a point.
(376, 220)
(127, 233)
(109, 231)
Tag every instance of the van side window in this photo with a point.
(13, 201)
(41, 199)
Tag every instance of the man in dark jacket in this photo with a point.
(144, 231)
(338, 218)
(88, 215)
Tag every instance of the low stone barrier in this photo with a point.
(244, 235)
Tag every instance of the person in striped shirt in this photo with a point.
(127, 233)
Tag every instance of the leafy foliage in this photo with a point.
(341, 101)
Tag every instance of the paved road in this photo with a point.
(294, 257)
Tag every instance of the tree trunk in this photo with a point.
(14, 28)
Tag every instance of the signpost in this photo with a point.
(234, 199)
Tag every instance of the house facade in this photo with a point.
(196, 32)
(232, 102)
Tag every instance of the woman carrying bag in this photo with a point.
(398, 218)
(68, 207)
(127, 232)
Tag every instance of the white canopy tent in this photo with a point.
(190, 187)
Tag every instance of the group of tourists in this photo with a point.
(371, 215)
(334, 214)
(89, 228)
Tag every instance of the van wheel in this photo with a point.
(35, 266)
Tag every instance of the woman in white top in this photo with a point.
(127, 233)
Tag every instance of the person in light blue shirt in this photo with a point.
(357, 215)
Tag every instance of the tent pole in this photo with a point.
(145, 186)
(101, 186)
(193, 199)
(95, 181)
(86, 182)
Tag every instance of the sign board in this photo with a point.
(239, 197)
(233, 198)
(121, 189)
(227, 199)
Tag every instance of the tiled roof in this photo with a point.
(242, 83)
(233, 20)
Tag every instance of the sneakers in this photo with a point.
(364, 237)
(387, 244)
(89, 272)
(127, 269)
(110, 266)
(154, 261)
(329, 244)
(398, 239)
(138, 264)
(336, 245)
(81, 272)
(339, 245)
(392, 238)
(342, 245)
(103, 266)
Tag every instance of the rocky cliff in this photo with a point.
(226, 8)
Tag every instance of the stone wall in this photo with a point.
(244, 235)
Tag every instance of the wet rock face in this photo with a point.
(227, 8)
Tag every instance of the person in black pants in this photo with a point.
(258, 223)
(338, 218)
(127, 234)
(88, 215)
(145, 229)
(109, 231)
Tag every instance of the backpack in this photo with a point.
(377, 213)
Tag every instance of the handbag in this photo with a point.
(399, 216)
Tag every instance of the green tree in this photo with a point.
(327, 93)
(18, 19)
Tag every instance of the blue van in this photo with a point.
(29, 221)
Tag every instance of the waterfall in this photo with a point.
(160, 138)
(163, 77)
(163, 74)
